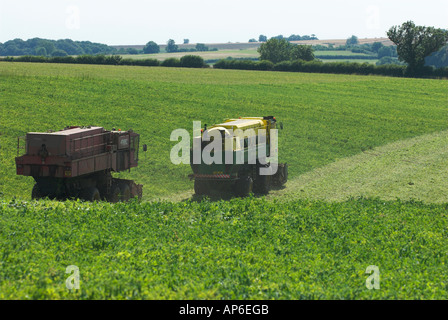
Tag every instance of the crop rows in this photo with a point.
(238, 249)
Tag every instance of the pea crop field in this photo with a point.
(368, 186)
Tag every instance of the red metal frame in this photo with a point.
(76, 151)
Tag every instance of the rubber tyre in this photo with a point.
(281, 177)
(262, 185)
(284, 178)
(125, 192)
(200, 188)
(36, 193)
(244, 186)
(91, 194)
(115, 193)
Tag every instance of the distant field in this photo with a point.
(250, 45)
(338, 53)
(246, 53)
(351, 60)
(329, 54)
(207, 55)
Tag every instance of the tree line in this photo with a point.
(53, 48)
(68, 47)
(316, 66)
(293, 37)
(171, 46)
(415, 47)
(187, 61)
(277, 50)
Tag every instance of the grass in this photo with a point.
(239, 249)
(339, 53)
(345, 136)
(371, 61)
(326, 117)
(245, 53)
(408, 169)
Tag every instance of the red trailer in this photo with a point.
(77, 163)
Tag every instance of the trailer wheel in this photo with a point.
(90, 194)
(36, 193)
(200, 187)
(244, 186)
(114, 195)
(281, 177)
(284, 174)
(262, 184)
(125, 192)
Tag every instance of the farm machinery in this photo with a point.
(245, 165)
(77, 162)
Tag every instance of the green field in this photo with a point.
(408, 169)
(206, 55)
(329, 54)
(327, 117)
(245, 53)
(371, 61)
(339, 53)
(345, 136)
(238, 249)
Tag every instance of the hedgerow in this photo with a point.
(330, 67)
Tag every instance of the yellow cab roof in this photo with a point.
(241, 123)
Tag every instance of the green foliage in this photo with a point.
(415, 43)
(132, 51)
(278, 50)
(40, 96)
(263, 65)
(41, 51)
(345, 57)
(296, 37)
(279, 37)
(389, 60)
(317, 67)
(262, 38)
(171, 46)
(408, 169)
(238, 249)
(248, 248)
(385, 52)
(302, 52)
(438, 59)
(377, 46)
(275, 50)
(151, 47)
(395, 70)
(140, 62)
(171, 62)
(18, 47)
(352, 41)
(201, 47)
(59, 53)
(190, 61)
(48, 45)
